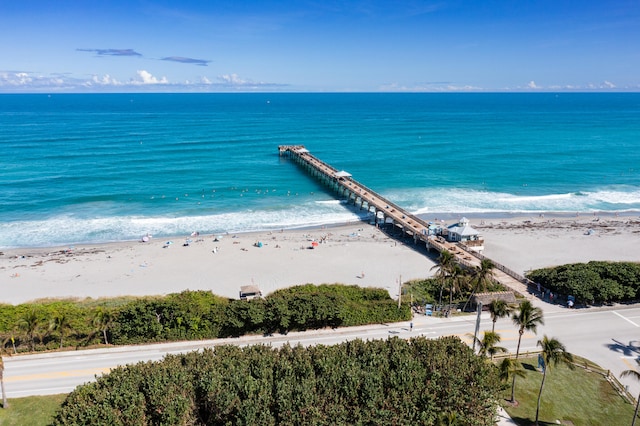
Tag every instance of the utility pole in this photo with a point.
(399, 291)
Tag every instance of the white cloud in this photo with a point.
(15, 78)
(23, 78)
(105, 80)
(608, 85)
(532, 85)
(232, 79)
(145, 77)
(26, 81)
(430, 87)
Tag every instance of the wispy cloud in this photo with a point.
(105, 80)
(430, 86)
(16, 81)
(182, 59)
(112, 52)
(133, 53)
(23, 81)
(233, 81)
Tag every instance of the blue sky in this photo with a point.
(319, 45)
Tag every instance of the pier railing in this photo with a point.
(513, 274)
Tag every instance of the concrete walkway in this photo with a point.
(503, 418)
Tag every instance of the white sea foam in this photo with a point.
(331, 202)
(459, 200)
(67, 229)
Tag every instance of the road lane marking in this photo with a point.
(468, 337)
(626, 319)
(58, 374)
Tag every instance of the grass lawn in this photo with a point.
(32, 410)
(574, 397)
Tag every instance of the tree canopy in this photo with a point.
(592, 282)
(393, 381)
(192, 315)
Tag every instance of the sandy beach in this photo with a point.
(350, 254)
(527, 243)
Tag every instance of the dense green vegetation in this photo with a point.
(438, 292)
(190, 315)
(452, 283)
(377, 382)
(593, 282)
(593, 401)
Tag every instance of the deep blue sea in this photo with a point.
(107, 167)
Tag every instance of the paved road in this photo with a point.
(609, 337)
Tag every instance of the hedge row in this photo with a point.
(381, 382)
(593, 282)
(193, 315)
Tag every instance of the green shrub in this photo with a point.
(593, 282)
(390, 381)
(191, 315)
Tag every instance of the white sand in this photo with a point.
(136, 268)
(530, 243)
(284, 260)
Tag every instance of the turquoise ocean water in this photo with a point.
(109, 167)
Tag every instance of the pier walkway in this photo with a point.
(385, 211)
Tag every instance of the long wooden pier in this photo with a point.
(385, 210)
(357, 193)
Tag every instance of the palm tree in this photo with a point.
(446, 264)
(60, 323)
(510, 367)
(457, 280)
(30, 323)
(635, 375)
(499, 308)
(553, 353)
(488, 345)
(103, 320)
(527, 317)
(482, 275)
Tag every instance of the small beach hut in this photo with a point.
(487, 298)
(463, 232)
(248, 292)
